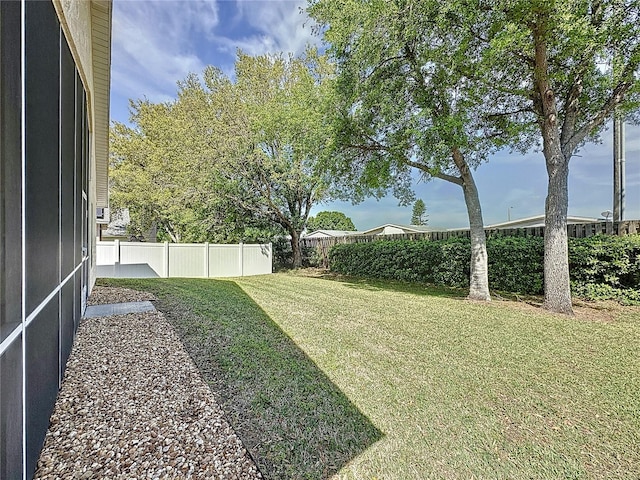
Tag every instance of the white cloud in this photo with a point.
(156, 44)
(283, 26)
(151, 47)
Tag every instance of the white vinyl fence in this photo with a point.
(140, 259)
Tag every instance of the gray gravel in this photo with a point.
(105, 295)
(133, 406)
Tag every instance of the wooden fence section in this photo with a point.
(579, 230)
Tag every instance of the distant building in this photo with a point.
(386, 229)
(538, 221)
(328, 233)
(118, 229)
(395, 229)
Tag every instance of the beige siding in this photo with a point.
(87, 27)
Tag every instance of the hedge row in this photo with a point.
(601, 267)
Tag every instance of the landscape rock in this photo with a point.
(133, 405)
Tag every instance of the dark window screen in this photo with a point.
(10, 241)
(10, 169)
(42, 156)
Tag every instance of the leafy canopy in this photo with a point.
(405, 99)
(419, 213)
(229, 158)
(330, 221)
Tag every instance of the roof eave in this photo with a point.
(101, 15)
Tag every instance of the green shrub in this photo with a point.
(516, 264)
(601, 267)
(606, 267)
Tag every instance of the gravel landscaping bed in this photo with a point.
(106, 295)
(133, 405)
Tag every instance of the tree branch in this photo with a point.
(612, 102)
(573, 95)
(382, 63)
(435, 172)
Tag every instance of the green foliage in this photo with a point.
(330, 221)
(282, 253)
(601, 267)
(572, 64)
(439, 263)
(150, 176)
(606, 267)
(515, 264)
(229, 159)
(422, 78)
(406, 100)
(418, 216)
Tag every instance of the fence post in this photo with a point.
(206, 259)
(166, 259)
(609, 228)
(116, 251)
(241, 257)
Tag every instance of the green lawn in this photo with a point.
(369, 380)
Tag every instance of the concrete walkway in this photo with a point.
(94, 311)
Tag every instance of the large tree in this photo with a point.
(575, 62)
(406, 103)
(152, 170)
(229, 157)
(330, 221)
(273, 167)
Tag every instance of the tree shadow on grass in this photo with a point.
(291, 418)
(414, 288)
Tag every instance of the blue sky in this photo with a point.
(157, 43)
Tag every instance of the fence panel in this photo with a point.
(187, 260)
(224, 261)
(104, 253)
(255, 259)
(144, 256)
(135, 260)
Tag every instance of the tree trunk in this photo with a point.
(295, 249)
(479, 277)
(557, 290)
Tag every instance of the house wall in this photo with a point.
(48, 192)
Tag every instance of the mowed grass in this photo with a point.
(438, 387)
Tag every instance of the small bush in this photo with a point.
(601, 267)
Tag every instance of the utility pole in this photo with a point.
(618, 167)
